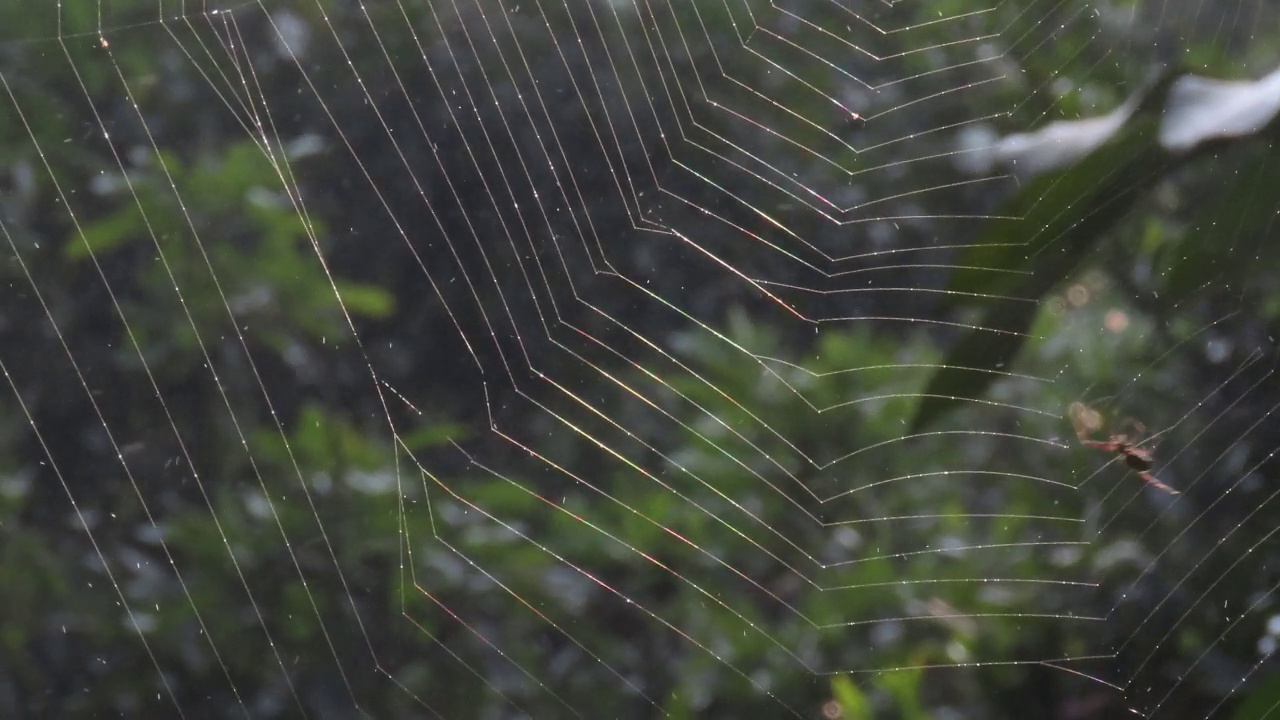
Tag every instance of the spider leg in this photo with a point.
(1152, 481)
(1131, 423)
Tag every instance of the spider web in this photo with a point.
(561, 359)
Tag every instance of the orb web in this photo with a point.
(569, 358)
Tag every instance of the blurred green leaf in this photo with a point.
(978, 360)
(434, 434)
(1262, 702)
(904, 687)
(107, 234)
(1044, 233)
(364, 299)
(853, 704)
(1060, 215)
(1230, 235)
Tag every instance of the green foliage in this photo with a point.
(242, 249)
(853, 704)
(1229, 236)
(312, 538)
(904, 688)
(1058, 219)
(1262, 702)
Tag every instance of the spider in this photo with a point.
(1137, 459)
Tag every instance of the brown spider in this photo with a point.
(1139, 460)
